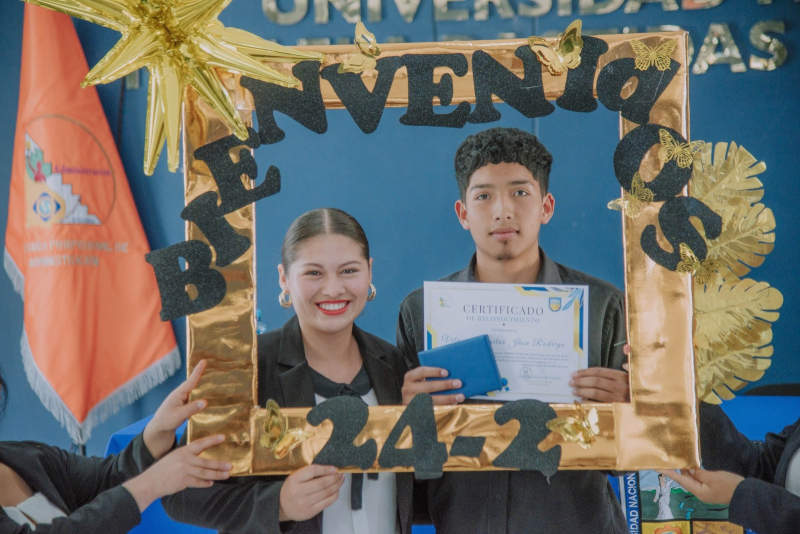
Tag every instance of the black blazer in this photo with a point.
(87, 489)
(251, 504)
(760, 503)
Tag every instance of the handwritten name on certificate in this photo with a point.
(539, 333)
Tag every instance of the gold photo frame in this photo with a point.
(658, 428)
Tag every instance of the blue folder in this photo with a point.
(471, 361)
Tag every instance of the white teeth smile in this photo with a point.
(333, 307)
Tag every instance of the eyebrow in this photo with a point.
(482, 186)
(492, 186)
(307, 265)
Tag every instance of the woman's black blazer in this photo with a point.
(251, 504)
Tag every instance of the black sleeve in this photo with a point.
(242, 505)
(89, 476)
(724, 448)
(764, 507)
(407, 343)
(93, 484)
(114, 512)
(239, 504)
(407, 336)
(614, 334)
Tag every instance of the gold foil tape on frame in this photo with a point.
(501, 51)
(451, 421)
(225, 335)
(657, 429)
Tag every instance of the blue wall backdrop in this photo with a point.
(398, 182)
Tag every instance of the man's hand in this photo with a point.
(601, 385)
(627, 351)
(180, 469)
(159, 434)
(416, 381)
(308, 491)
(714, 487)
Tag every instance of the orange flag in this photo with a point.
(92, 340)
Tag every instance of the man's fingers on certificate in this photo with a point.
(601, 385)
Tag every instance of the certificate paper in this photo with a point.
(539, 333)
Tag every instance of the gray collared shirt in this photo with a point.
(606, 314)
(499, 502)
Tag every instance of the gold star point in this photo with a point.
(181, 44)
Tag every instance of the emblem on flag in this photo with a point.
(51, 200)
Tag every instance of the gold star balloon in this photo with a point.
(181, 43)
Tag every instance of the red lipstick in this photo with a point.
(335, 307)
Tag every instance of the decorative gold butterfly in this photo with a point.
(658, 56)
(368, 50)
(632, 204)
(702, 271)
(581, 429)
(565, 55)
(683, 153)
(275, 436)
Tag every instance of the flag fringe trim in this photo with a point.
(126, 394)
(13, 272)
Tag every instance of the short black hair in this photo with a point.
(502, 145)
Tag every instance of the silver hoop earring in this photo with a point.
(372, 292)
(285, 299)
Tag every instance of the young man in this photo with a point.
(502, 176)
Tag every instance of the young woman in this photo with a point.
(326, 275)
(760, 480)
(48, 490)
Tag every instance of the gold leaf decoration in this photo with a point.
(182, 44)
(733, 334)
(746, 238)
(565, 55)
(719, 374)
(733, 318)
(734, 315)
(729, 181)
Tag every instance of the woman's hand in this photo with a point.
(159, 434)
(714, 487)
(308, 491)
(180, 469)
(416, 381)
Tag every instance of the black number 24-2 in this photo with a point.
(427, 455)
